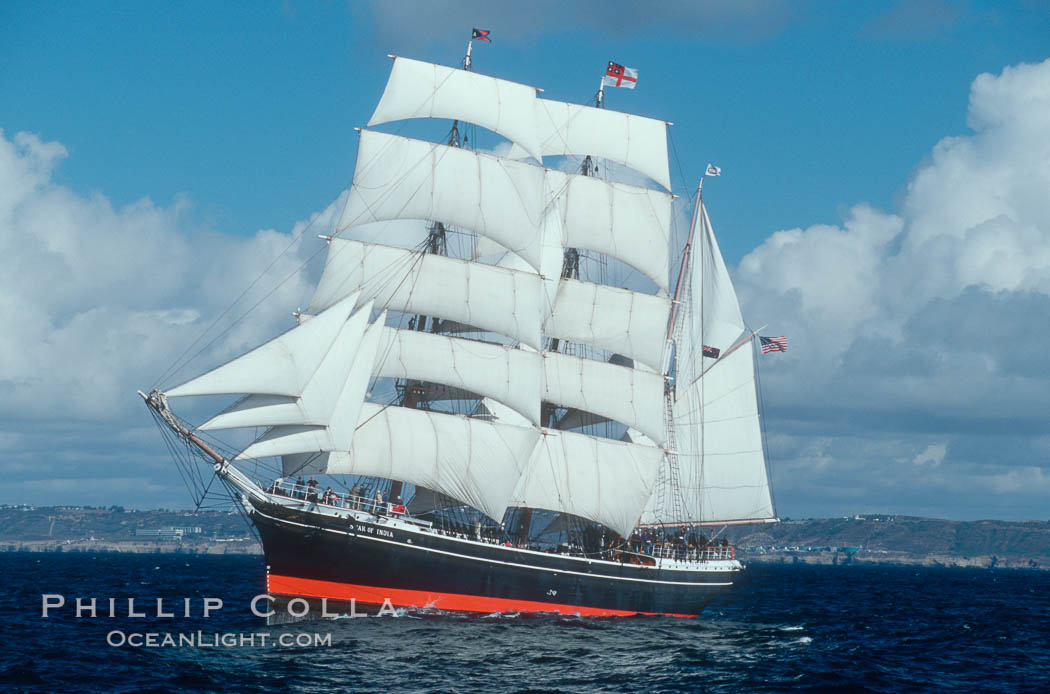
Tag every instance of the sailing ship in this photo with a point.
(564, 442)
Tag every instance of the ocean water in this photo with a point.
(781, 629)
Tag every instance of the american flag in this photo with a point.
(773, 344)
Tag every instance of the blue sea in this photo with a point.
(781, 629)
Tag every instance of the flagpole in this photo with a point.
(466, 60)
(601, 92)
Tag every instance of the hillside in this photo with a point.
(74, 528)
(898, 539)
(841, 541)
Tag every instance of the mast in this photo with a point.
(309, 387)
(414, 394)
(685, 259)
(714, 401)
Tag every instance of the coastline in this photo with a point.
(892, 559)
(241, 548)
(819, 558)
(863, 540)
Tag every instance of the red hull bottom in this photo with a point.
(453, 602)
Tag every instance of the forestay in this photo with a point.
(417, 89)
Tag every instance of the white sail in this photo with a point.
(310, 384)
(318, 399)
(489, 410)
(338, 433)
(627, 222)
(617, 320)
(491, 298)
(624, 394)
(474, 461)
(417, 89)
(282, 366)
(401, 178)
(634, 141)
(719, 469)
(600, 479)
(509, 375)
(712, 316)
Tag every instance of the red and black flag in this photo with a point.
(712, 352)
(480, 35)
(773, 344)
(617, 75)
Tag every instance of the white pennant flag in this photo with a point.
(713, 170)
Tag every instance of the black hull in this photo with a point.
(371, 562)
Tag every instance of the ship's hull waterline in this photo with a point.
(359, 564)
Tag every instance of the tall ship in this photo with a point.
(539, 403)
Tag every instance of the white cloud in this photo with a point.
(931, 320)
(933, 455)
(99, 301)
(924, 325)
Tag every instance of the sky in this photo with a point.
(885, 203)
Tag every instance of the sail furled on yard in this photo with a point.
(719, 466)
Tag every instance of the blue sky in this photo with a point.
(167, 138)
(247, 108)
